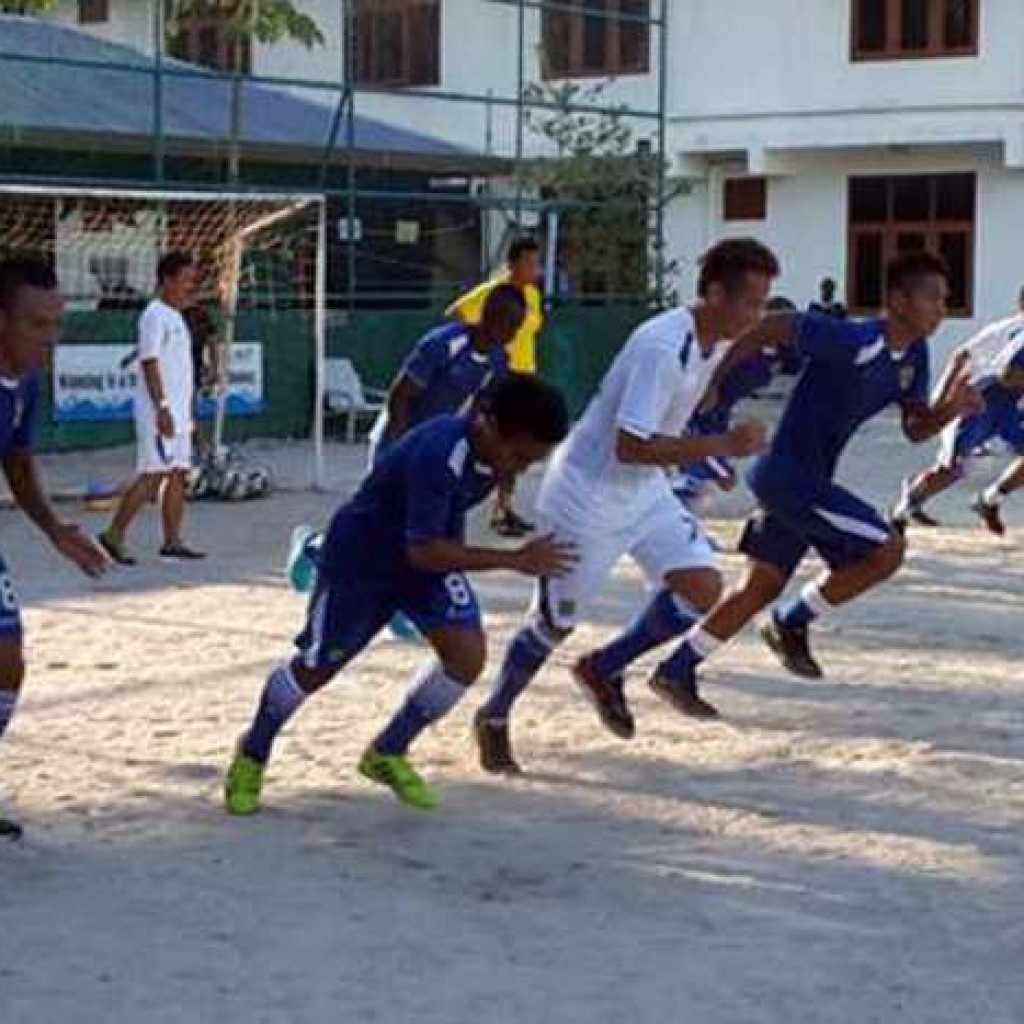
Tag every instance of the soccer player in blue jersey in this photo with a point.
(448, 367)
(30, 313)
(696, 481)
(996, 359)
(398, 545)
(852, 371)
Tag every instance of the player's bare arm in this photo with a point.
(544, 556)
(400, 399)
(155, 388)
(26, 488)
(744, 439)
(955, 396)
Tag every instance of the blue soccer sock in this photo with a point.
(433, 696)
(281, 698)
(697, 646)
(799, 612)
(524, 658)
(8, 700)
(667, 616)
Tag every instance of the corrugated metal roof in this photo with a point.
(54, 97)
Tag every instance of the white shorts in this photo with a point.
(664, 537)
(156, 454)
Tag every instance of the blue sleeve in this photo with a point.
(918, 387)
(826, 339)
(24, 434)
(430, 355)
(431, 487)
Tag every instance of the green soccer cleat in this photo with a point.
(395, 772)
(243, 785)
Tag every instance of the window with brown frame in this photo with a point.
(396, 43)
(888, 215)
(910, 29)
(93, 12)
(745, 199)
(589, 38)
(205, 39)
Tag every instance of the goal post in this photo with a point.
(260, 254)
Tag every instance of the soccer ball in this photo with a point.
(257, 483)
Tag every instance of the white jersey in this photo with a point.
(164, 336)
(993, 348)
(652, 388)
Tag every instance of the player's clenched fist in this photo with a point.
(746, 439)
(545, 556)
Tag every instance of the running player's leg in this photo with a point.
(988, 503)
(143, 490)
(552, 618)
(960, 440)
(12, 668)
(682, 563)
(341, 621)
(445, 611)
(861, 552)
(773, 552)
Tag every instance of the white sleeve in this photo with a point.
(648, 392)
(151, 334)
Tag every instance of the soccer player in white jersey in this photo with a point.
(607, 492)
(996, 359)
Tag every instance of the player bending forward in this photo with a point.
(607, 492)
(398, 545)
(853, 370)
(996, 359)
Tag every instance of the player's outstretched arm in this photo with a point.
(68, 539)
(661, 450)
(955, 396)
(544, 556)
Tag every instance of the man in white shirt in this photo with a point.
(607, 493)
(163, 414)
(996, 360)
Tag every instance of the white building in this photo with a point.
(839, 131)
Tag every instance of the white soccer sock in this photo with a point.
(992, 496)
(702, 643)
(814, 599)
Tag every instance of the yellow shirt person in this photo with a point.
(524, 272)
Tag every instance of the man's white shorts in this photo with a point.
(158, 454)
(661, 538)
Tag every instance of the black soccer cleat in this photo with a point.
(682, 694)
(512, 525)
(790, 645)
(494, 746)
(10, 831)
(991, 516)
(180, 553)
(608, 697)
(922, 518)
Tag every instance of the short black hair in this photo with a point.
(905, 272)
(780, 304)
(503, 295)
(19, 272)
(173, 263)
(728, 262)
(521, 403)
(521, 246)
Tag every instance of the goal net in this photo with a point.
(260, 260)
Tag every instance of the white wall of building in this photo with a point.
(806, 223)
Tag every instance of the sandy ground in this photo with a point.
(843, 851)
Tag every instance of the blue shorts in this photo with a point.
(346, 613)
(799, 512)
(10, 613)
(1002, 418)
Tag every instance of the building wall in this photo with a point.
(806, 224)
